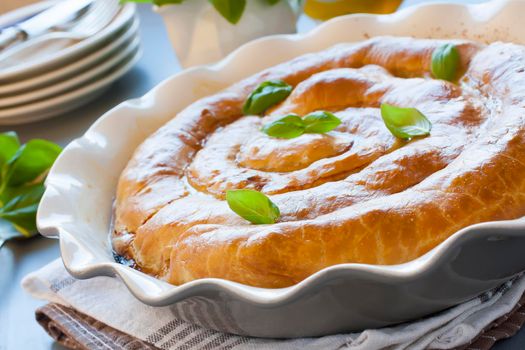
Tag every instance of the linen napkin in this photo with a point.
(102, 311)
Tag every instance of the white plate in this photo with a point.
(73, 82)
(75, 67)
(70, 53)
(65, 102)
(77, 204)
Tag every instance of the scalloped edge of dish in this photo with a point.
(52, 211)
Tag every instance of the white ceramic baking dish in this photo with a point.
(77, 204)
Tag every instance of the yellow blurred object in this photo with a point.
(325, 9)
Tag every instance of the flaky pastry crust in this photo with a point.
(356, 194)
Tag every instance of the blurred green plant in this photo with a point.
(231, 10)
(23, 169)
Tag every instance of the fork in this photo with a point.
(97, 17)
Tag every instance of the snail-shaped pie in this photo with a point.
(373, 153)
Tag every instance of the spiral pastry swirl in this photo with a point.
(354, 194)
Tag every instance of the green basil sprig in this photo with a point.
(155, 2)
(405, 123)
(253, 206)
(231, 10)
(22, 173)
(445, 62)
(265, 96)
(320, 122)
(288, 127)
(292, 126)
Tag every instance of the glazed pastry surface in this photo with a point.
(353, 195)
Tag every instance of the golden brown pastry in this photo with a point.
(355, 194)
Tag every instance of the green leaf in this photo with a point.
(253, 206)
(405, 123)
(139, 1)
(293, 126)
(24, 218)
(167, 2)
(9, 144)
(320, 122)
(232, 10)
(287, 127)
(154, 2)
(445, 62)
(21, 185)
(265, 96)
(21, 209)
(23, 196)
(31, 161)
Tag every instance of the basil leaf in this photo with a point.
(320, 122)
(266, 95)
(21, 197)
(167, 2)
(24, 218)
(253, 206)
(231, 10)
(445, 62)
(287, 127)
(9, 144)
(154, 2)
(405, 123)
(31, 161)
(293, 126)
(272, 2)
(21, 209)
(21, 184)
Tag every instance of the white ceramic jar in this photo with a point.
(200, 35)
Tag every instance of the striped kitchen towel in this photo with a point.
(100, 313)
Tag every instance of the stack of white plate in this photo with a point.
(46, 77)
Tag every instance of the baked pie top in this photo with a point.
(354, 194)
